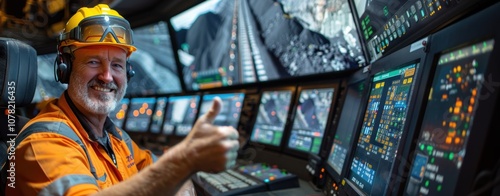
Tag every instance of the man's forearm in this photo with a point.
(165, 177)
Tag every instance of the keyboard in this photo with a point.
(244, 180)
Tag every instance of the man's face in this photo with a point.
(98, 78)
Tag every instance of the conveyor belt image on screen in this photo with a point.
(247, 41)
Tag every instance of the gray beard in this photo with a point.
(105, 103)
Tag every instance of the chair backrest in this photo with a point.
(18, 78)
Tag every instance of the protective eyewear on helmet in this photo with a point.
(101, 29)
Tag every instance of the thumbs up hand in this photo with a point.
(208, 147)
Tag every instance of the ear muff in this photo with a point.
(130, 71)
(63, 68)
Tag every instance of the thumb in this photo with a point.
(214, 110)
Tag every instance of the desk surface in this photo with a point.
(304, 189)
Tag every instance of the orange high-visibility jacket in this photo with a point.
(50, 163)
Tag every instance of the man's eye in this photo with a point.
(93, 63)
(118, 66)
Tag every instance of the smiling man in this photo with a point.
(73, 148)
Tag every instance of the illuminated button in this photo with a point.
(422, 12)
(415, 17)
(413, 9)
(419, 4)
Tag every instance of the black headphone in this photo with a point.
(62, 66)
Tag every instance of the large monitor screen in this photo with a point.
(181, 114)
(119, 113)
(224, 43)
(311, 116)
(139, 114)
(345, 131)
(153, 62)
(230, 112)
(272, 117)
(158, 115)
(447, 122)
(381, 129)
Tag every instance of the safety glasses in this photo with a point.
(101, 29)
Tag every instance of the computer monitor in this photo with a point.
(225, 43)
(459, 135)
(312, 114)
(158, 115)
(46, 87)
(387, 128)
(230, 112)
(388, 25)
(346, 129)
(153, 62)
(382, 129)
(119, 113)
(181, 114)
(139, 114)
(272, 116)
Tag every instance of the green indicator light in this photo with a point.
(432, 160)
(466, 125)
(485, 44)
(422, 147)
(386, 11)
(451, 156)
(430, 148)
(427, 183)
(439, 188)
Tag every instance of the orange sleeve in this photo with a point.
(142, 157)
(48, 163)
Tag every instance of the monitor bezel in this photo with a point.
(476, 28)
(269, 147)
(359, 77)
(411, 54)
(286, 136)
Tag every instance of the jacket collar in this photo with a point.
(109, 126)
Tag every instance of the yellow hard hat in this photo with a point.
(99, 25)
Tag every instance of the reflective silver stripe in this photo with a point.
(61, 185)
(59, 128)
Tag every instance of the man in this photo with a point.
(94, 156)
